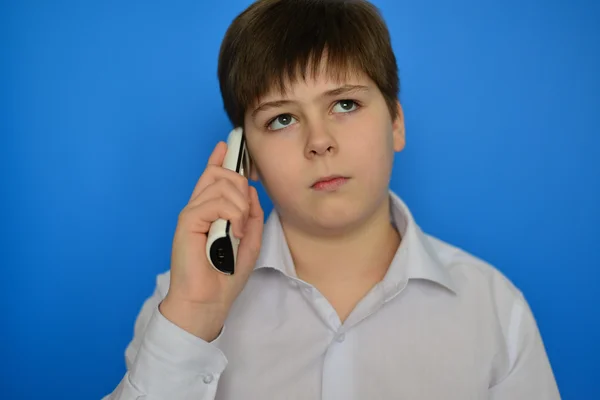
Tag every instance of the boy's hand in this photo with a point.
(199, 297)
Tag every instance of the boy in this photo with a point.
(342, 296)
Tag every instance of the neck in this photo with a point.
(365, 251)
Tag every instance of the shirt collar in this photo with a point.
(274, 251)
(414, 259)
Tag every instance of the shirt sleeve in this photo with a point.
(529, 375)
(166, 362)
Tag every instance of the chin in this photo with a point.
(328, 214)
(338, 217)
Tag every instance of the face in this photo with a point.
(324, 150)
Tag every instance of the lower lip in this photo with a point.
(330, 185)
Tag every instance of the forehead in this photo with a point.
(321, 79)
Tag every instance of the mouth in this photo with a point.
(330, 183)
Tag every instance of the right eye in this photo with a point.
(280, 122)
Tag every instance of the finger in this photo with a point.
(198, 219)
(213, 173)
(215, 159)
(218, 154)
(254, 226)
(226, 189)
(256, 211)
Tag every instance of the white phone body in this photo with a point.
(221, 244)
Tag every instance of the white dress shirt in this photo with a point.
(442, 324)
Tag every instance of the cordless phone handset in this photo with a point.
(221, 245)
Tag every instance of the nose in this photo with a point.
(319, 141)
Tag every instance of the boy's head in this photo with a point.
(274, 41)
(314, 84)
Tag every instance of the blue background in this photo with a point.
(111, 108)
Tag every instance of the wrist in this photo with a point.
(202, 321)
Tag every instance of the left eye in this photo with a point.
(344, 106)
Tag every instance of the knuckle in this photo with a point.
(183, 214)
(223, 185)
(229, 186)
(208, 171)
(226, 208)
(228, 183)
(237, 213)
(241, 181)
(246, 209)
(222, 203)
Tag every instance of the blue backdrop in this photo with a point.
(111, 108)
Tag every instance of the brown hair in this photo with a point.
(274, 41)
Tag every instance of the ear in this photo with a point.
(253, 175)
(398, 130)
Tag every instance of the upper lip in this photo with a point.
(328, 178)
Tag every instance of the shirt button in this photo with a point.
(341, 337)
(208, 378)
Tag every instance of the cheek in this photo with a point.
(277, 169)
(374, 149)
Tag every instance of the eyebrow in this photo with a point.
(346, 89)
